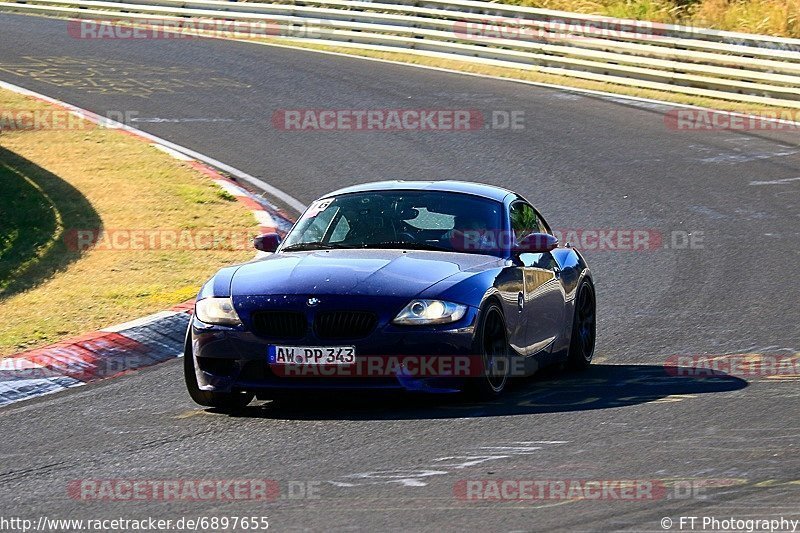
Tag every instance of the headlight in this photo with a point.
(218, 311)
(430, 312)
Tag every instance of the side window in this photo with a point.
(525, 220)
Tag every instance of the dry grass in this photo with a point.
(769, 17)
(81, 179)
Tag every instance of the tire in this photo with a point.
(224, 401)
(492, 345)
(584, 328)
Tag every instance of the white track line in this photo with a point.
(15, 372)
(567, 88)
(266, 187)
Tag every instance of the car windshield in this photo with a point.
(420, 220)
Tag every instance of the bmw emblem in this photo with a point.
(313, 302)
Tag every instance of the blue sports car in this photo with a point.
(428, 286)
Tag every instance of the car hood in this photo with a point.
(353, 272)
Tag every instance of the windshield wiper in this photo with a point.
(406, 245)
(299, 247)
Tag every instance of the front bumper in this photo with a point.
(235, 359)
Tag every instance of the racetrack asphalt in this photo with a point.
(588, 163)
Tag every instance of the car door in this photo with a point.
(543, 296)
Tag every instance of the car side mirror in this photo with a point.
(535, 243)
(267, 242)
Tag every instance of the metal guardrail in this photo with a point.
(734, 66)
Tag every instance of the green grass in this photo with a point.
(35, 208)
(29, 223)
(54, 181)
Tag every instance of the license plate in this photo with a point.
(311, 355)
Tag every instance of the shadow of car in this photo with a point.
(550, 391)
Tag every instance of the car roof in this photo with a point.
(464, 187)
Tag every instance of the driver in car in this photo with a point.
(470, 233)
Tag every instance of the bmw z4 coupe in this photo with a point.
(426, 286)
